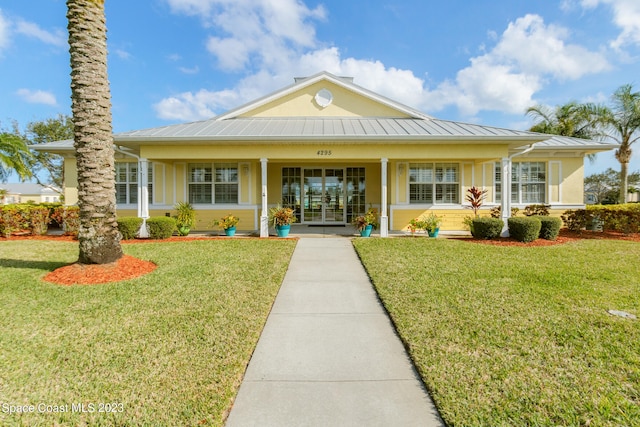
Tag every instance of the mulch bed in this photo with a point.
(564, 237)
(125, 268)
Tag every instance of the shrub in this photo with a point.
(24, 217)
(161, 227)
(496, 212)
(38, 217)
(486, 228)
(129, 227)
(526, 229)
(71, 220)
(536, 210)
(623, 218)
(549, 227)
(574, 220)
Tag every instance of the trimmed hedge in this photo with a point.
(550, 227)
(525, 229)
(129, 227)
(623, 218)
(24, 218)
(486, 228)
(161, 227)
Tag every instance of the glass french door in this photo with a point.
(324, 196)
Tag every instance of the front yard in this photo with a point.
(169, 348)
(517, 336)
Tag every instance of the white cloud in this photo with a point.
(37, 97)
(506, 77)
(4, 32)
(251, 31)
(185, 70)
(122, 54)
(626, 15)
(56, 38)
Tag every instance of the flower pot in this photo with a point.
(183, 231)
(433, 233)
(283, 230)
(366, 231)
(230, 232)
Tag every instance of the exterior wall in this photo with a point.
(205, 217)
(70, 182)
(477, 167)
(345, 104)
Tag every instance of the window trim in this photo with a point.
(435, 183)
(519, 183)
(213, 183)
(128, 183)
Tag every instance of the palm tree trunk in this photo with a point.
(624, 182)
(93, 139)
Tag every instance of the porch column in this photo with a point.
(264, 215)
(143, 195)
(384, 219)
(505, 207)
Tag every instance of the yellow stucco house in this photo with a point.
(330, 149)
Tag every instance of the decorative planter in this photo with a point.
(433, 233)
(183, 231)
(230, 232)
(366, 231)
(283, 230)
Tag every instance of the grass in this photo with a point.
(517, 336)
(169, 348)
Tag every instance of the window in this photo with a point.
(210, 183)
(434, 183)
(528, 182)
(127, 183)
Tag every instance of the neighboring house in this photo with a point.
(330, 149)
(28, 192)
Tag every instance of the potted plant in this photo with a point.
(366, 223)
(228, 224)
(186, 217)
(416, 224)
(282, 218)
(432, 224)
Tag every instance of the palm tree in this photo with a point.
(98, 235)
(623, 122)
(571, 119)
(14, 156)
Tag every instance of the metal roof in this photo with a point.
(312, 128)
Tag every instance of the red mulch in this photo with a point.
(564, 237)
(125, 268)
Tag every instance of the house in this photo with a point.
(25, 192)
(330, 149)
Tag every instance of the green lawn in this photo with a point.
(517, 336)
(167, 349)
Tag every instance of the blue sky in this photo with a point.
(481, 61)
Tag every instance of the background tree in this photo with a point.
(59, 128)
(622, 124)
(98, 235)
(605, 186)
(14, 156)
(571, 119)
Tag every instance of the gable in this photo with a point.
(344, 103)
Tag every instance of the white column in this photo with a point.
(264, 216)
(506, 195)
(384, 219)
(143, 195)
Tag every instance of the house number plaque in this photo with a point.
(323, 152)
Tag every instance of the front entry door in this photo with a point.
(323, 196)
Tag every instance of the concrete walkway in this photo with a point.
(328, 355)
